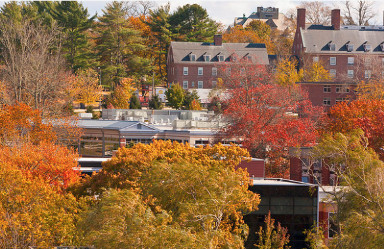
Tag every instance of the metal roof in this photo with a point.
(280, 182)
(317, 40)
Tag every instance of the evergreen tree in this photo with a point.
(191, 23)
(75, 21)
(189, 97)
(160, 28)
(155, 103)
(134, 102)
(175, 96)
(118, 45)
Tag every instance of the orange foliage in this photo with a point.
(362, 114)
(20, 123)
(239, 34)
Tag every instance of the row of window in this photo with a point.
(339, 89)
(350, 61)
(350, 73)
(200, 84)
(327, 101)
(200, 71)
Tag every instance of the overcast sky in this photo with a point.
(225, 11)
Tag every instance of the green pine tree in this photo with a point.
(155, 103)
(175, 96)
(134, 102)
(119, 45)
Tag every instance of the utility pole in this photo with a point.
(100, 88)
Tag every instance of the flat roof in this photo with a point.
(279, 182)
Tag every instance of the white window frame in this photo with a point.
(193, 84)
(214, 83)
(192, 57)
(200, 71)
(350, 74)
(207, 58)
(316, 59)
(332, 61)
(351, 60)
(367, 74)
(214, 71)
(327, 89)
(185, 84)
(332, 73)
(327, 101)
(185, 70)
(200, 84)
(220, 58)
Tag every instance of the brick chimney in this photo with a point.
(218, 40)
(300, 19)
(335, 19)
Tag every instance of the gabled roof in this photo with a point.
(316, 39)
(182, 50)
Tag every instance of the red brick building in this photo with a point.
(350, 53)
(195, 64)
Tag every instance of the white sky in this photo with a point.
(225, 11)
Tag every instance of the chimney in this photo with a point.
(218, 40)
(335, 19)
(300, 19)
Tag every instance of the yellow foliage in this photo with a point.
(84, 87)
(287, 74)
(195, 105)
(123, 93)
(316, 73)
(372, 89)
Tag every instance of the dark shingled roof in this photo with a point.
(317, 40)
(181, 51)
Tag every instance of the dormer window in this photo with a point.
(234, 57)
(349, 47)
(207, 58)
(367, 47)
(382, 46)
(332, 46)
(192, 57)
(220, 57)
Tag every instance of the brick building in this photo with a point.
(350, 53)
(195, 64)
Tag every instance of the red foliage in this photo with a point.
(269, 118)
(364, 114)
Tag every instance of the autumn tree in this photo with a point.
(84, 87)
(266, 117)
(272, 236)
(362, 114)
(287, 74)
(175, 96)
(122, 219)
(155, 103)
(191, 100)
(122, 94)
(32, 212)
(360, 202)
(134, 102)
(210, 195)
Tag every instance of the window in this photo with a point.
(249, 58)
(342, 89)
(185, 84)
(327, 101)
(382, 61)
(192, 57)
(315, 59)
(199, 71)
(192, 84)
(199, 84)
(367, 47)
(367, 61)
(350, 73)
(351, 60)
(327, 88)
(214, 71)
(332, 61)
(173, 70)
(332, 73)
(338, 100)
(367, 74)
(207, 57)
(220, 58)
(185, 70)
(214, 83)
(332, 46)
(349, 47)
